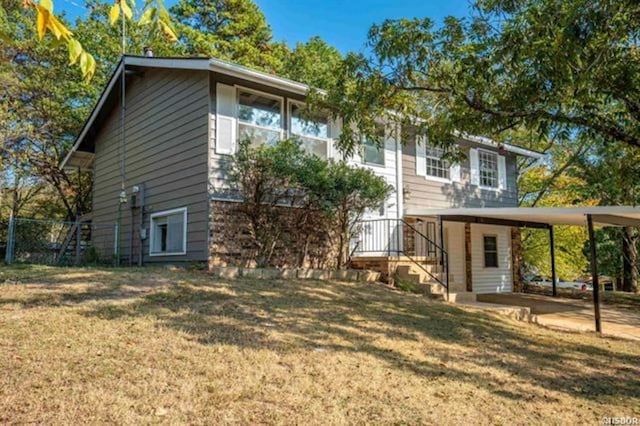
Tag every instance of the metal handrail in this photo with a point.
(444, 256)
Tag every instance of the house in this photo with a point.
(163, 179)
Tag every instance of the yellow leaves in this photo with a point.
(47, 4)
(168, 32)
(58, 29)
(46, 20)
(75, 50)
(147, 17)
(114, 13)
(126, 9)
(41, 21)
(87, 65)
(158, 18)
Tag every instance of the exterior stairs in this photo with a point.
(427, 285)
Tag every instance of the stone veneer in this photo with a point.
(230, 242)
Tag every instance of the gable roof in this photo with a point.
(79, 158)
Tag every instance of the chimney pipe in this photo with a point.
(148, 52)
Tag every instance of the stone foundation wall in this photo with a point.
(231, 243)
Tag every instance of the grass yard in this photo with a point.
(156, 346)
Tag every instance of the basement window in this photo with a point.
(490, 251)
(169, 233)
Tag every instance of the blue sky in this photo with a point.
(345, 23)
(342, 23)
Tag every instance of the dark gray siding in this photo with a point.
(166, 151)
(424, 193)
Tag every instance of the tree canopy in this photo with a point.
(571, 66)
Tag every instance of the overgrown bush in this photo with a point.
(324, 199)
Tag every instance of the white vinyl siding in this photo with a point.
(491, 280)
(455, 247)
(168, 233)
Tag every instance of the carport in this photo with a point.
(545, 218)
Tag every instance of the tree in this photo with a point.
(612, 176)
(153, 17)
(313, 63)
(265, 179)
(545, 65)
(349, 192)
(291, 198)
(235, 30)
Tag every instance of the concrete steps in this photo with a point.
(427, 285)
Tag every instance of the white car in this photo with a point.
(546, 282)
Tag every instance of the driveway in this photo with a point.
(570, 314)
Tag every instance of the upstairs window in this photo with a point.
(488, 168)
(436, 166)
(169, 233)
(371, 152)
(259, 117)
(490, 251)
(312, 131)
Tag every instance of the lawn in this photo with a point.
(160, 346)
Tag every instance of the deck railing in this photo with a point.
(396, 237)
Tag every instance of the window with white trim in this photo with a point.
(372, 153)
(436, 166)
(311, 130)
(488, 168)
(168, 233)
(259, 117)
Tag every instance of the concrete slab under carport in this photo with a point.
(570, 314)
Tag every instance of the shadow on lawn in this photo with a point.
(341, 317)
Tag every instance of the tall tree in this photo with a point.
(548, 65)
(612, 176)
(313, 63)
(235, 30)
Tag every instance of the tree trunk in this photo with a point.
(629, 258)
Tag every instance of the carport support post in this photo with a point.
(553, 261)
(594, 274)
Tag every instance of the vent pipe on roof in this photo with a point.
(148, 52)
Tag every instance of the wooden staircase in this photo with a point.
(70, 251)
(425, 278)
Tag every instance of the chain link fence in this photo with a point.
(51, 242)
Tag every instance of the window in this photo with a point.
(490, 251)
(436, 166)
(488, 168)
(312, 131)
(168, 233)
(379, 211)
(259, 117)
(371, 152)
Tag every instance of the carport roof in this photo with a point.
(537, 217)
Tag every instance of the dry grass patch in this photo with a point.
(147, 346)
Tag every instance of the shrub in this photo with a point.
(325, 199)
